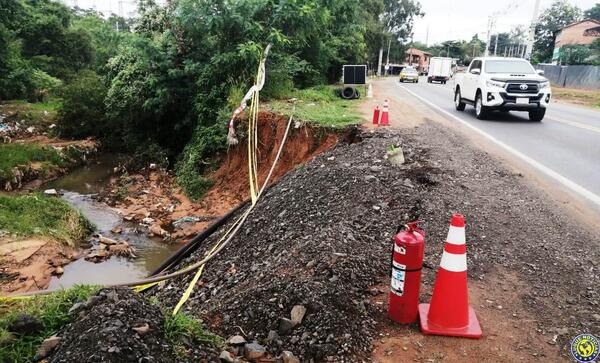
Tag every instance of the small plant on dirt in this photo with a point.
(392, 149)
(123, 187)
(15, 155)
(52, 311)
(183, 326)
(41, 215)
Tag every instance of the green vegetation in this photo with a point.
(52, 310)
(319, 105)
(184, 326)
(14, 155)
(171, 85)
(41, 215)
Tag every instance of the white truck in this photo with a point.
(440, 69)
(502, 84)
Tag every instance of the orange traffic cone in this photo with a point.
(449, 312)
(376, 116)
(385, 121)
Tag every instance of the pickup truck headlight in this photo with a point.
(544, 84)
(491, 83)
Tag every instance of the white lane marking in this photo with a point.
(576, 124)
(594, 198)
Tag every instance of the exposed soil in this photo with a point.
(321, 238)
(28, 265)
(118, 325)
(155, 194)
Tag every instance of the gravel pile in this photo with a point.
(319, 239)
(119, 325)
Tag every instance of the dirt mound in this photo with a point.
(118, 325)
(304, 142)
(317, 239)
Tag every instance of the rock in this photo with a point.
(254, 351)
(75, 307)
(157, 230)
(152, 166)
(117, 230)
(408, 183)
(297, 314)
(52, 192)
(47, 346)
(59, 270)
(226, 357)
(596, 317)
(289, 357)
(272, 336)
(25, 325)
(285, 326)
(107, 241)
(143, 329)
(148, 220)
(30, 129)
(236, 340)
(396, 156)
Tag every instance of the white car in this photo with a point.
(503, 84)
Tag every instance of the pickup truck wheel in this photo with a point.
(460, 106)
(480, 110)
(537, 115)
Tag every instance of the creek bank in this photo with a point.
(153, 198)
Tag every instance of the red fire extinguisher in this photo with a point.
(407, 262)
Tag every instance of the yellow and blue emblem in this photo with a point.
(585, 348)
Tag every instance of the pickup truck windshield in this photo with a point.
(507, 66)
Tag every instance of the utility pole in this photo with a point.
(496, 45)
(427, 37)
(380, 59)
(530, 37)
(387, 62)
(491, 25)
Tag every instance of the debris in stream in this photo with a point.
(109, 247)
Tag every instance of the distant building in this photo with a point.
(418, 59)
(582, 32)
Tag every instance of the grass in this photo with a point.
(52, 310)
(584, 97)
(41, 215)
(34, 114)
(183, 325)
(320, 105)
(23, 154)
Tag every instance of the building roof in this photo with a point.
(415, 50)
(579, 22)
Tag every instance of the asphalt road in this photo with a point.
(565, 146)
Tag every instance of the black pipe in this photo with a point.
(195, 242)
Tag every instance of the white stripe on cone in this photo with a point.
(456, 235)
(453, 262)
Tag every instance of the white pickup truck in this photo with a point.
(502, 84)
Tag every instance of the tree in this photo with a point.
(560, 14)
(593, 12)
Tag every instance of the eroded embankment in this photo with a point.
(155, 198)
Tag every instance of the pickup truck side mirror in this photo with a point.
(476, 71)
(540, 72)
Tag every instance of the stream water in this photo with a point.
(77, 188)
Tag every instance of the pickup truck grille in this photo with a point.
(532, 88)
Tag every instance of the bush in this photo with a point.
(82, 112)
(197, 157)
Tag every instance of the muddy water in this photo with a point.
(76, 188)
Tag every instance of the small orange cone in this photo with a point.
(449, 312)
(385, 121)
(376, 116)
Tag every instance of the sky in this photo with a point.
(461, 19)
(445, 19)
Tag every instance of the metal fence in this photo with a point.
(580, 76)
